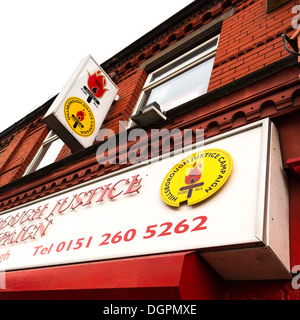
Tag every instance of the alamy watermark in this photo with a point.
(136, 145)
(296, 278)
(296, 19)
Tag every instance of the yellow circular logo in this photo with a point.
(196, 177)
(79, 117)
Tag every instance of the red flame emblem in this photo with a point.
(97, 84)
(190, 180)
(80, 115)
(194, 175)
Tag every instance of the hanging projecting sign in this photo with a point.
(79, 110)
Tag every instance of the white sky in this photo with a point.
(43, 41)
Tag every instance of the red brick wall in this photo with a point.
(18, 154)
(250, 40)
(129, 91)
(65, 152)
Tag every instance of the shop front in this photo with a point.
(158, 229)
(171, 171)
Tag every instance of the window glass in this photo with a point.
(51, 151)
(181, 80)
(182, 88)
(47, 153)
(187, 59)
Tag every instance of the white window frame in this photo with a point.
(149, 84)
(51, 137)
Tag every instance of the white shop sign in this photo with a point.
(123, 215)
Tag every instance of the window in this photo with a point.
(47, 154)
(183, 79)
(275, 4)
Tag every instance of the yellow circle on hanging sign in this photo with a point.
(196, 177)
(79, 117)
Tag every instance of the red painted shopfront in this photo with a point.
(104, 222)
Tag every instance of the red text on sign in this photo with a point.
(166, 229)
(63, 246)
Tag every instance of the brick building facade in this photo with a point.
(253, 78)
